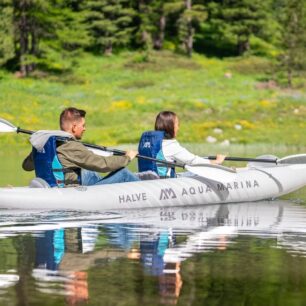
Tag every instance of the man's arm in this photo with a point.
(74, 153)
(28, 163)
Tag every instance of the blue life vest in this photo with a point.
(150, 145)
(47, 165)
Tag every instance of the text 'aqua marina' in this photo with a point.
(170, 193)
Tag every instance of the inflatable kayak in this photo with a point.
(216, 184)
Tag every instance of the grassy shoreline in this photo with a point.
(225, 101)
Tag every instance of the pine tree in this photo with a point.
(293, 18)
(144, 25)
(70, 29)
(235, 21)
(6, 31)
(158, 19)
(192, 15)
(110, 23)
(45, 30)
(185, 15)
(151, 22)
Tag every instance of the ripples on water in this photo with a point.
(229, 254)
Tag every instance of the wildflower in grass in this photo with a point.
(141, 100)
(120, 105)
(7, 116)
(205, 125)
(199, 105)
(246, 124)
(266, 104)
(31, 120)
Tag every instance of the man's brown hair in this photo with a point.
(165, 122)
(69, 115)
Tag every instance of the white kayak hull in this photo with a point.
(246, 185)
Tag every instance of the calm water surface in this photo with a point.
(234, 254)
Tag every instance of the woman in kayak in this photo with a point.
(162, 144)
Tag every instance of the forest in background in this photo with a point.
(39, 37)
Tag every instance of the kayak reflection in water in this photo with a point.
(68, 162)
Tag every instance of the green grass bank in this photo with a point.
(229, 100)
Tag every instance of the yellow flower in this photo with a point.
(7, 116)
(267, 104)
(199, 105)
(141, 100)
(31, 120)
(247, 125)
(119, 105)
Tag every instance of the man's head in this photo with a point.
(72, 120)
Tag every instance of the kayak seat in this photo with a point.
(147, 175)
(38, 182)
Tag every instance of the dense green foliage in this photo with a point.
(109, 23)
(293, 39)
(232, 24)
(6, 32)
(46, 35)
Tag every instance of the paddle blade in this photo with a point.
(293, 159)
(213, 172)
(7, 127)
(263, 161)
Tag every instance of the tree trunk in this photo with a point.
(289, 76)
(108, 49)
(34, 47)
(243, 46)
(23, 37)
(190, 30)
(159, 39)
(21, 9)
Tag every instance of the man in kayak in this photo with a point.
(69, 162)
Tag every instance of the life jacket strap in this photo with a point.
(65, 170)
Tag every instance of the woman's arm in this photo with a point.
(173, 151)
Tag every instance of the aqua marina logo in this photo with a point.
(167, 193)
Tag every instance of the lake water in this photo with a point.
(229, 254)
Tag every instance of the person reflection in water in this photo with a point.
(170, 283)
(51, 249)
(77, 288)
(150, 250)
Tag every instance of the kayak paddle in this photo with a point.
(226, 174)
(7, 127)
